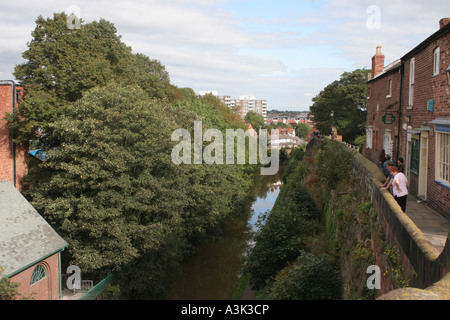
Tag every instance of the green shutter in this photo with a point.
(415, 155)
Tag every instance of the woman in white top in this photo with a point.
(400, 187)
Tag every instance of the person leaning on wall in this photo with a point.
(400, 187)
(390, 178)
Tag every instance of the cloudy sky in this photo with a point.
(285, 51)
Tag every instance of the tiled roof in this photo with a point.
(25, 237)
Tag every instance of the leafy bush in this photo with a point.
(334, 163)
(310, 278)
(286, 232)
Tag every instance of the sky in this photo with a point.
(284, 51)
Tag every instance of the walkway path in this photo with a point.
(434, 226)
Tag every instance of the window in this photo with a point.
(443, 157)
(415, 155)
(38, 274)
(436, 58)
(369, 138)
(389, 88)
(411, 82)
(387, 142)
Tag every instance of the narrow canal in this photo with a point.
(213, 272)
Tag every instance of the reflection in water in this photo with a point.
(264, 204)
(213, 271)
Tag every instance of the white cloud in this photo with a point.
(286, 56)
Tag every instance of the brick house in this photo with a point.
(13, 157)
(409, 107)
(383, 108)
(29, 248)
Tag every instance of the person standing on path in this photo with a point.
(389, 180)
(400, 187)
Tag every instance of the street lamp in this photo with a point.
(361, 106)
(448, 74)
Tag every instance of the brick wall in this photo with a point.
(417, 117)
(378, 104)
(46, 289)
(21, 154)
(419, 256)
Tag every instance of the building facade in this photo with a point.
(409, 116)
(383, 108)
(13, 156)
(29, 247)
(243, 105)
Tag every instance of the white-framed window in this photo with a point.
(443, 157)
(436, 58)
(369, 137)
(387, 142)
(411, 82)
(389, 89)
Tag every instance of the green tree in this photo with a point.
(337, 105)
(111, 190)
(309, 278)
(110, 186)
(302, 129)
(255, 119)
(62, 63)
(286, 232)
(9, 290)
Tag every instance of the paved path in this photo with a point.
(434, 226)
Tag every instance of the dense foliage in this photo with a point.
(62, 63)
(287, 258)
(109, 186)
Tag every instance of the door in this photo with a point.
(423, 166)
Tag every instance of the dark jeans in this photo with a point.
(402, 202)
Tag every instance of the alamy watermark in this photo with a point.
(374, 19)
(73, 17)
(74, 281)
(374, 281)
(235, 140)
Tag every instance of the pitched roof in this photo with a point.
(25, 237)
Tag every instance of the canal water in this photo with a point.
(213, 272)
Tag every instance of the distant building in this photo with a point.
(241, 106)
(29, 247)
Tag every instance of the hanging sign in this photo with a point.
(388, 118)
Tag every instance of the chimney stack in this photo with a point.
(443, 22)
(377, 62)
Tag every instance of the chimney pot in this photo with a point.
(443, 22)
(377, 62)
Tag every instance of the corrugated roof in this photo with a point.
(25, 237)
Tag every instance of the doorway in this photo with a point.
(423, 166)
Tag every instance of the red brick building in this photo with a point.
(13, 157)
(29, 247)
(383, 108)
(409, 110)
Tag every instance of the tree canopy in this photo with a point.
(337, 105)
(255, 119)
(109, 186)
(62, 63)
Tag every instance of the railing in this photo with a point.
(96, 291)
(83, 286)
